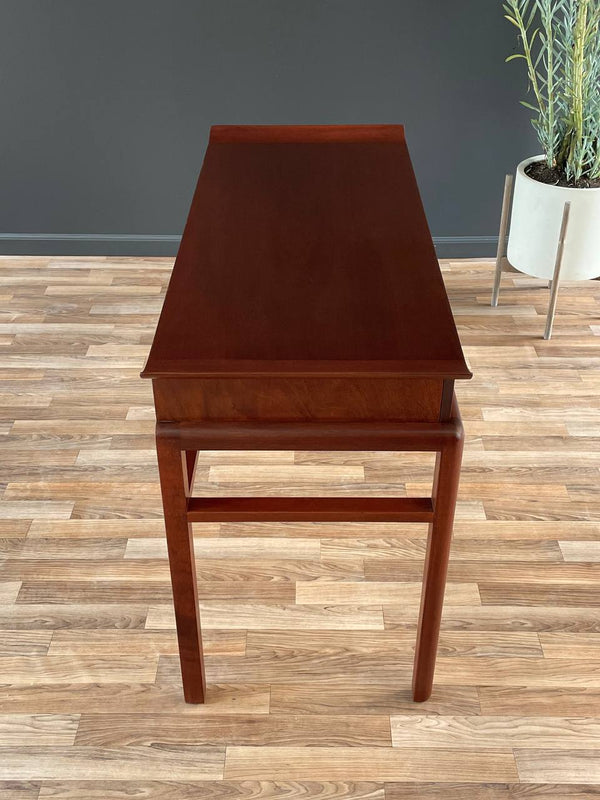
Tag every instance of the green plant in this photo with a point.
(560, 43)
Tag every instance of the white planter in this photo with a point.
(537, 210)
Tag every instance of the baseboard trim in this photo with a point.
(125, 244)
(465, 246)
(88, 244)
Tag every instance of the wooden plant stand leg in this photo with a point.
(176, 469)
(445, 490)
(502, 236)
(557, 265)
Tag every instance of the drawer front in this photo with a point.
(284, 399)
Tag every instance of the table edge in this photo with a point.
(306, 134)
(447, 370)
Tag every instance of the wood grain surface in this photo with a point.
(309, 627)
(306, 252)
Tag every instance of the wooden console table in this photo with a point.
(306, 311)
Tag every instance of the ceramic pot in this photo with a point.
(537, 210)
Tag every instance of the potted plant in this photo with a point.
(559, 41)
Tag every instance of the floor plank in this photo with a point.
(494, 731)
(214, 790)
(163, 730)
(90, 763)
(568, 766)
(368, 763)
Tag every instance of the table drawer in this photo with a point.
(297, 398)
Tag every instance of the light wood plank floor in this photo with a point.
(309, 627)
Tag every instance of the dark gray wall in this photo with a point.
(106, 106)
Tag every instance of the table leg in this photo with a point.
(173, 466)
(445, 489)
(191, 458)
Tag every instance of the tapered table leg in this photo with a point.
(445, 490)
(175, 476)
(191, 459)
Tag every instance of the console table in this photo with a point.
(306, 311)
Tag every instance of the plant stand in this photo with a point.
(503, 264)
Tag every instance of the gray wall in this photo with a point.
(107, 105)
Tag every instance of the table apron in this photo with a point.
(383, 436)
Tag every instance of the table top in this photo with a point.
(306, 252)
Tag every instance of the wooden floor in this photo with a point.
(309, 627)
